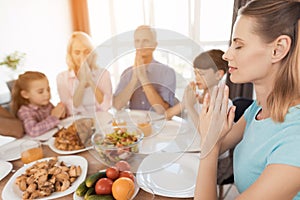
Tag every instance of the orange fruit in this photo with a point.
(123, 188)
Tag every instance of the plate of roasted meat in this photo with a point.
(73, 139)
(47, 178)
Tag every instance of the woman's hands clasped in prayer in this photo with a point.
(215, 119)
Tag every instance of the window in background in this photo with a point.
(206, 22)
(40, 29)
(215, 23)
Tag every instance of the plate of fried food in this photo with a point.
(47, 178)
(73, 139)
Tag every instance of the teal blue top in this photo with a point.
(266, 142)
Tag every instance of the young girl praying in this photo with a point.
(31, 104)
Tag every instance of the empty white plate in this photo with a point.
(11, 151)
(5, 139)
(161, 139)
(169, 174)
(171, 137)
(5, 168)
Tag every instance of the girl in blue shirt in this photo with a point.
(265, 50)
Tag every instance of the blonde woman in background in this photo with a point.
(84, 88)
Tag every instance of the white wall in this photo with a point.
(39, 28)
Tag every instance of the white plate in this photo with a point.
(5, 139)
(169, 174)
(160, 140)
(11, 151)
(6, 167)
(170, 138)
(11, 190)
(136, 190)
(56, 150)
(188, 140)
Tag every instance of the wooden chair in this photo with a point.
(10, 84)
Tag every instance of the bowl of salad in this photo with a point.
(115, 143)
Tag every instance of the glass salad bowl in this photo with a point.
(115, 143)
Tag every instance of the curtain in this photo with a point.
(245, 89)
(80, 15)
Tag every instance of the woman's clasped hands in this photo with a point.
(84, 74)
(215, 119)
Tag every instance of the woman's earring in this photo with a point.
(274, 52)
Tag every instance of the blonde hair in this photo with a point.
(274, 18)
(87, 41)
(22, 83)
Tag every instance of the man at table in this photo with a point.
(10, 125)
(147, 84)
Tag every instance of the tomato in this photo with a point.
(104, 186)
(112, 173)
(127, 174)
(123, 165)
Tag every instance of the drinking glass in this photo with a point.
(145, 126)
(118, 121)
(31, 150)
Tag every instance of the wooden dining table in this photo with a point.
(94, 165)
